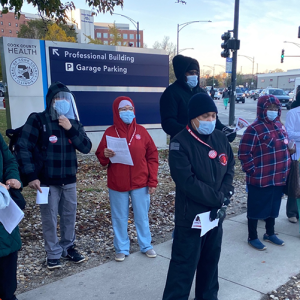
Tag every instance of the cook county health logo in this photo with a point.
(24, 71)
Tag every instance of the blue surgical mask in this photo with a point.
(272, 114)
(62, 106)
(206, 127)
(127, 116)
(192, 81)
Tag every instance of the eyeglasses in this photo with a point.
(192, 72)
(126, 108)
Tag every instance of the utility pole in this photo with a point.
(234, 63)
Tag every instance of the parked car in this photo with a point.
(280, 94)
(240, 96)
(2, 90)
(257, 94)
(219, 93)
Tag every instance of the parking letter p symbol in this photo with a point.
(69, 67)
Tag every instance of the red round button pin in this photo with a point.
(53, 139)
(286, 141)
(212, 154)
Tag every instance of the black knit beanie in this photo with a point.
(193, 66)
(200, 104)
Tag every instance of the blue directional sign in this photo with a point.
(86, 67)
(228, 65)
(98, 77)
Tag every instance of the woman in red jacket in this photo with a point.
(137, 181)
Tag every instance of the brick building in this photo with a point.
(129, 36)
(10, 24)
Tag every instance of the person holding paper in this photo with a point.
(202, 167)
(66, 136)
(265, 159)
(10, 243)
(124, 180)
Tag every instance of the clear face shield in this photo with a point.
(63, 104)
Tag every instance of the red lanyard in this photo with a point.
(131, 136)
(212, 153)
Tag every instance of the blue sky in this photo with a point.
(263, 27)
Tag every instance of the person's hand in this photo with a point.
(151, 190)
(13, 183)
(36, 185)
(5, 186)
(64, 122)
(213, 214)
(109, 153)
(230, 133)
(292, 151)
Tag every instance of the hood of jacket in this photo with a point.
(180, 65)
(54, 88)
(262, 107)
(124, 130)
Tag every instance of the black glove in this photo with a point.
(230, 133)
(213, 214)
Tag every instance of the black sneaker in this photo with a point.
(74, 255)
(53, 264)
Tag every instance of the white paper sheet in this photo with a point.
(11, 216)
(42, 198)
(204, 224)
(120, 147)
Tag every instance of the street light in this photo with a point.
(181, 50)
(136, 25)
(251, 59)
(298, 45)
(181, 26)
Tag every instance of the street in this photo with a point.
(245, 110)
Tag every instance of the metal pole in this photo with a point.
(177, 38)
(213, 77)
(234, 63)
(138, 33)
(253, 70)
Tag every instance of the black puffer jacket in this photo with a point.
(174, 101)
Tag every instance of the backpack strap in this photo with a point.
(44, 130)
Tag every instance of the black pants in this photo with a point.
(292, 208)
(8, 276)
(252, 227)
(191, 253)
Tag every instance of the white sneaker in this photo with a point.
(120, 257)
(151, 253)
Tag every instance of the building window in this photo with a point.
(17, 25)
(124, 43)
(125, 36)
(111, 36)
(10, 31)
(131, 36)
(98, 34)
(2, 30)
(16, 17)
(1, 15)
(105, 43)
(119, 43)
(105, 35)
(9, 24)
(138, 44)
(17, 31)
(139, 36)
(1, 22)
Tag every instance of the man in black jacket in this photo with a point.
(174, 101)
(202, 167)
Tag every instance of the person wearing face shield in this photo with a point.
(65, 136)
(137, 182)
(174, 100)
(202, 166)
(265, 158)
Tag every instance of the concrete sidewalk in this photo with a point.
(244, 273)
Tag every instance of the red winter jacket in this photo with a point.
(143, 151)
